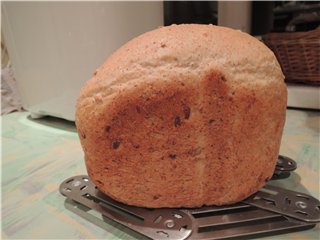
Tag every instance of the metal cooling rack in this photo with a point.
(270, 211)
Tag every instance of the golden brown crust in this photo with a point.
(183, 116)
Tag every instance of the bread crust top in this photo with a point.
(186, 49)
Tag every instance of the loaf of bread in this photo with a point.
(183, 116)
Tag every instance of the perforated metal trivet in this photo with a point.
(270, 211)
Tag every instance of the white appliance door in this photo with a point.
(54, 47)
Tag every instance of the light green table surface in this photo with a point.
(37, 155)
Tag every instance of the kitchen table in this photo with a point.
(38, 154)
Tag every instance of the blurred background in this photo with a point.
(49, 49)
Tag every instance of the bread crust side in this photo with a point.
(183, 142)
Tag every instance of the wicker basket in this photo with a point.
(298, 54)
